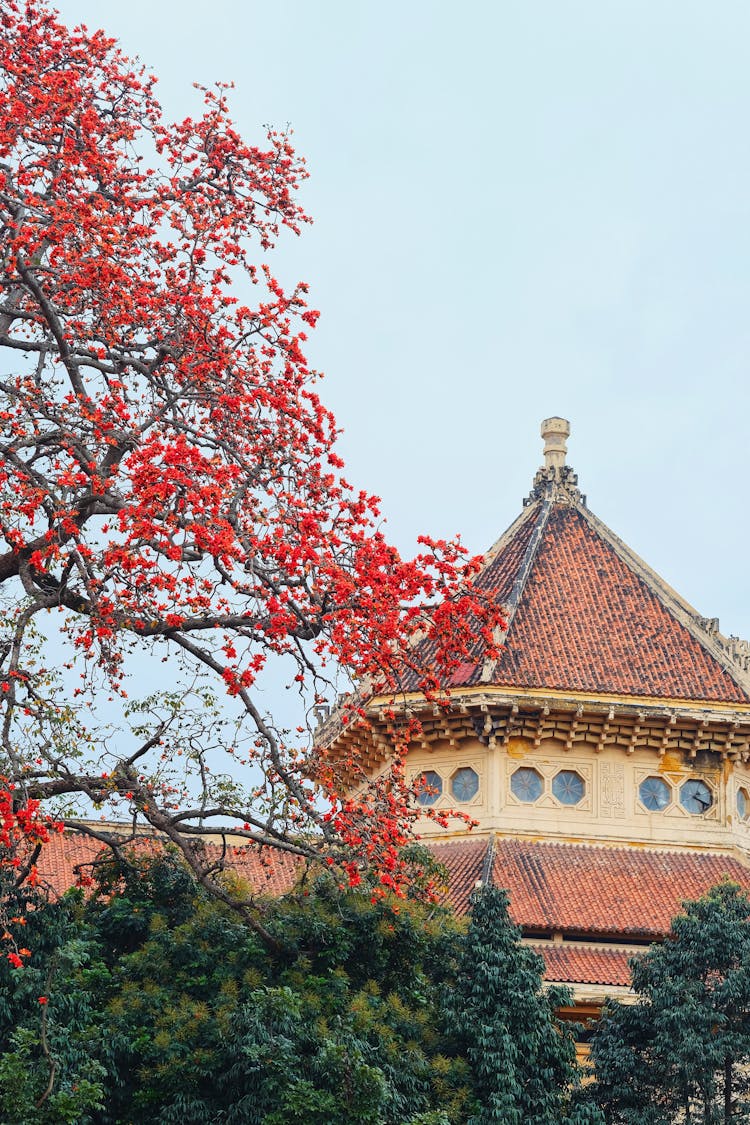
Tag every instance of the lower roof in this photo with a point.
(69, 857)
(566, 963)
(591, 890)
(595, 892)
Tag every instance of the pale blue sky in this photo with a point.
(521, 209)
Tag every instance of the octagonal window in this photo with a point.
(654, 793)
(526, 784)
(465, 784)
(569, 787)
(695, 796)
(430, 787)
(743, 803)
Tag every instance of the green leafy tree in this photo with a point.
(682, 1052)
(521, 1058)
(161, 1005)
(49, 1030)
(202, 1024)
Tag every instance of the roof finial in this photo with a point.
(555, 432)
(555, 481)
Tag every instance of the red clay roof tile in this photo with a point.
(501, 572)
(576, 964)
(572, 888)
(60, 858)
(587, 622)
(587, 889)
(464, 862)
(270, 872)
(70, 854)
(500, 576)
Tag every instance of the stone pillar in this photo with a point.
(555, 432)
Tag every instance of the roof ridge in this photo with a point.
(524, 570)
(584, 945)
(730, 852)
(466, 839)
(507, 536)
(681, 610)
(489, 862)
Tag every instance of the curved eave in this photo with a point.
(458, 698)
(494, 716)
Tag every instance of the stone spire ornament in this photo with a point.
(555, 480)
(555, 432)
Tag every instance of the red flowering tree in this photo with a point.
(23, 832)
(169, 489)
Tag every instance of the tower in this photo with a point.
(605, 753)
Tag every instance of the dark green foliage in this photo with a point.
(342, 1028)
(163, 1007)
(682, 1053)
(49, 1072)
(131, 893)
(521, 1059)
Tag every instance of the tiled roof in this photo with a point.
(501, 572)
(270, 872)
(586, 621)
(585, 889)
(60, 857)
(267, 874)
(500, 576)
(464, 862)
(585, 964)
(586, 617)
(576, 889)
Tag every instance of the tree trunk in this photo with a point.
(727, 1091)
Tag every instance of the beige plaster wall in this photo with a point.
(610, 809)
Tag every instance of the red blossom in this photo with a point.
(23, 828)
